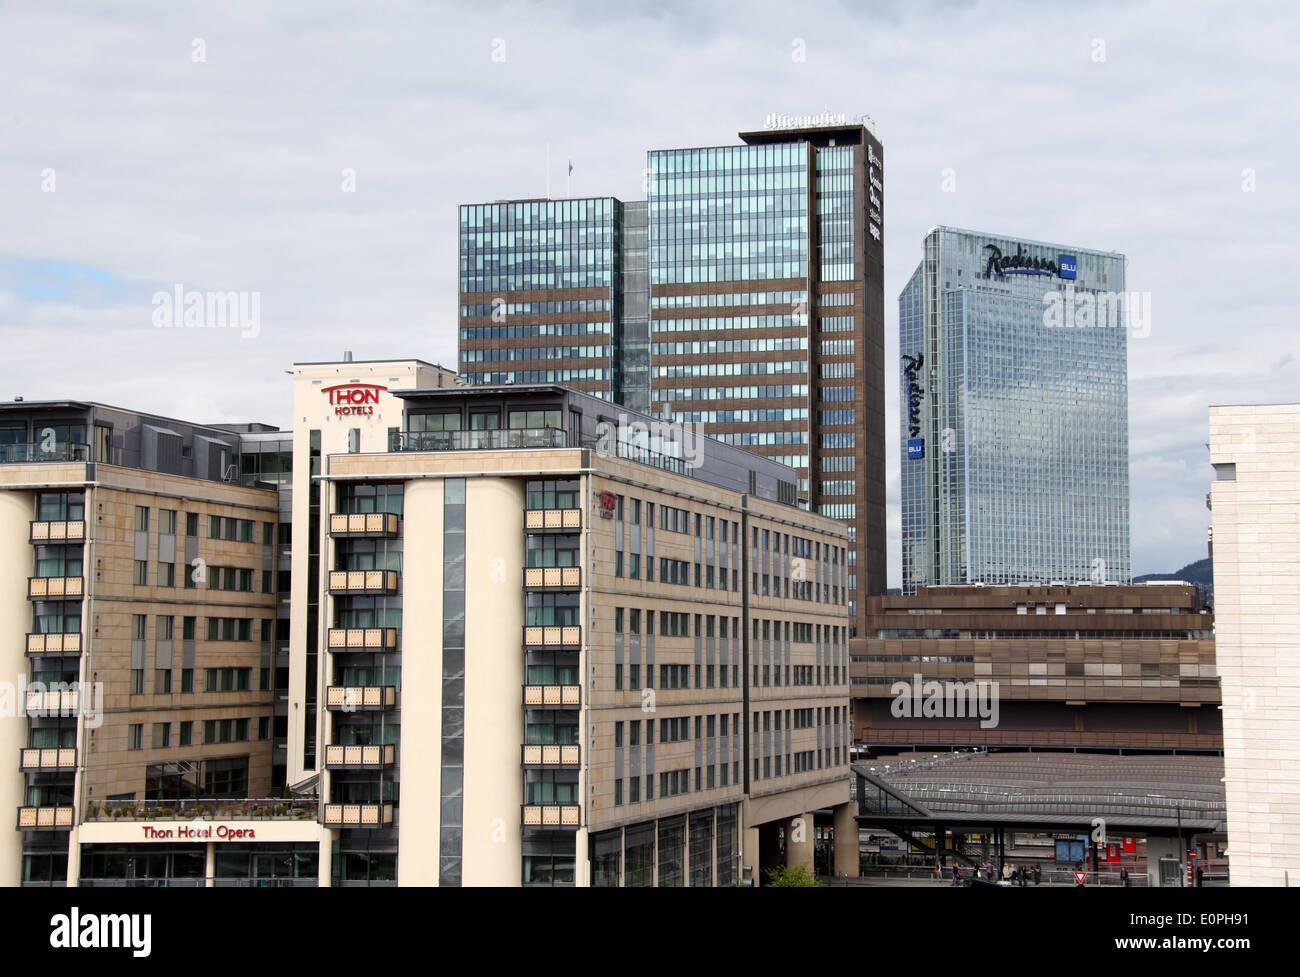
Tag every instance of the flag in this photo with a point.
(570, 167)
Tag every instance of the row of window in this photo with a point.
(214, 731)
(500, 307)
(215, 628)
(215, 680)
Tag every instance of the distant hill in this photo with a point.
(1200, 573)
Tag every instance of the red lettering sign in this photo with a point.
(608, 502)
(353, 398)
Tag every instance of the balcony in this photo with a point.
(360, 698)
(36, 759)
(480, 440)
(47, 818)
(365, 525)
(553, 696)
(362, 639)
(358, 815)
(241, 809)
(533, 755)
(548, 578)
(58, 703)
(39, 451)
(536, 520)
(53, 588)
(566, 636)
(66, 531)
(551, 816)
(54, 644)
(360, 757)
(363, 581)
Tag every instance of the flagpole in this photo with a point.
(548, 171)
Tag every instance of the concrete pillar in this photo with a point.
(847, 858)
(750, 855)
(324, 862)
(210, 864)
(799, 841)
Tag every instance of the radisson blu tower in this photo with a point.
(1014, 412)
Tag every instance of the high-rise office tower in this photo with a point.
(1014, 413)
(744, 295)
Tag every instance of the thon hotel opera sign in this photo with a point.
(353, 398)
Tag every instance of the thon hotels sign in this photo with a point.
(1021, 263)
(353, 398)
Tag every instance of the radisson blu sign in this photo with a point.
(1020, 263)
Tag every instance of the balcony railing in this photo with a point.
(552, 577)
(360, 697)
(362, 639)
(547, 636)
(49, 818)
(364, 524)
(257, 809)
(13, 454)
(363, 581)
(360, 757)
(35, 758)
(59, 702)
(534, 755)
(54, 644)
(45, 588)
(54, 531)
(535, 519)
(553, 696)
(358, 815)
(480, 440)
(552, 816)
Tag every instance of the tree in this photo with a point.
(792, 877)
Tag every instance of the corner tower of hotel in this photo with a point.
(1014, 413)
(744, 295)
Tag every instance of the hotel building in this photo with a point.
(1014, 413)
(138, 615)
(1083, 668)
(1255, 499)
(619, 659)
(745, 294)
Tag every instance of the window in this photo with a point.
(187, 733)
(167, 522)
(187, 628)
(137, 681)
(135, 736)
(162, 681)
(140, 573)
(226, 679)
(162, 735)
(191, 524)
(187, 681)
(166, 574)
(141, 519)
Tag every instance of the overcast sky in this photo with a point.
(314, 153)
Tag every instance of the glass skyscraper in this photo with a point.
(745, 295)
(1014, 413)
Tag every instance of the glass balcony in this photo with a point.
(362, 639)
(541, 519)
(548, 578)
(53, 588)
(358, 815)
(553, 696)
(551, 816)
(258, 809)
(481, 440)
(360, 698)
(360, 757)
(66, 531)
(365, 525)
(535, 755)
(45, 818)
(14, 454)
(363, 581)
(54, 644)
(36, 759)
(566, 636)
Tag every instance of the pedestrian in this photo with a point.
(1038, 874)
